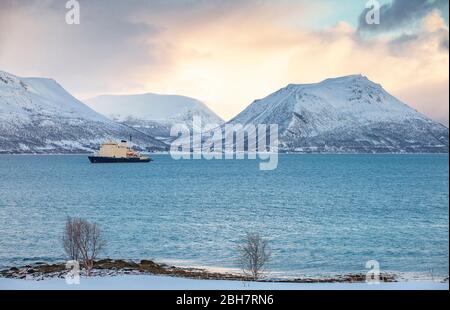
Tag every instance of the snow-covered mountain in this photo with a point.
(38, 116)
(153, 114)
(349, 114)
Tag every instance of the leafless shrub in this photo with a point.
(82, 240)
(253, 254)
(70, 237)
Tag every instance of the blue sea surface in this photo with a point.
(323, 214)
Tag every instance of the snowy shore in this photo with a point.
(109, 274)
(150, 282)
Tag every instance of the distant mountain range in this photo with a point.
(153, 114)
(38, 116)
(349, 114)
(341, 115)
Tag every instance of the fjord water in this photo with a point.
(323, 214)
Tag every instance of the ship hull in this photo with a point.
(110, 160)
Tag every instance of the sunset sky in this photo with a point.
(228, 53)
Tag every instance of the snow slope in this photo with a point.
(152, 113)
(148, 282)
(38, 116)
(349, 114)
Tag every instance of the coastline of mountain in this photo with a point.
(38, 116)
(349, 114)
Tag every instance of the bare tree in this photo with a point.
(70, 238)
(83, 240)
(254, 254)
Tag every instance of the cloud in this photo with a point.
(118, 42)
(106, 45)
(230, 68)
(400, 13)
(429, 98)
(226, 53)
(433, 31)
(444, 43)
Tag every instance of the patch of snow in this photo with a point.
(148, 282)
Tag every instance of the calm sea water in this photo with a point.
(323, 214)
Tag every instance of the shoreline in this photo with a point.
(40, 270)
(172, 283)
(147, 275)
(119, 267)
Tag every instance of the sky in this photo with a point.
(228, 53)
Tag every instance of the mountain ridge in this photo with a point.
(153, 113)
(348, 114)
(37, 115)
